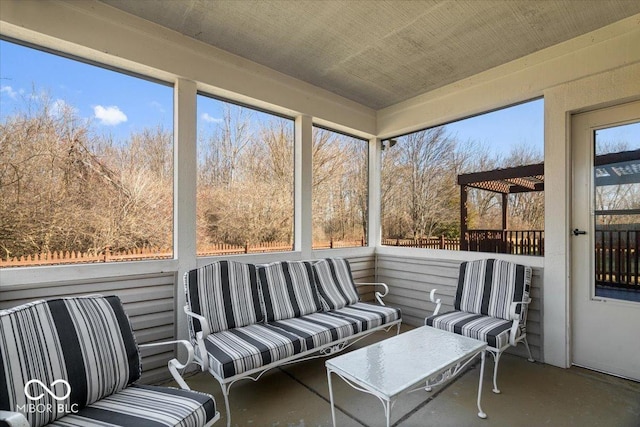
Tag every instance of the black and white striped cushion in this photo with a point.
(288, 289)
(489, 286)
(335, 283)
(492, 330)
(318, 329)
(240, 350)
(367, 316)
(226, 294)
(143, 405)
(86, 341)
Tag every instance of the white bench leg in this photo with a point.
(496, 358)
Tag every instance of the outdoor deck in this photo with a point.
(533, 394)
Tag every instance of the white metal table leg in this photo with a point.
(333, 410)
(481, 413)
(387, 411)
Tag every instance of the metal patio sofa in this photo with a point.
(246, 319)
(74, 362)
(490, 304)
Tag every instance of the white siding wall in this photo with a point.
(412, 278)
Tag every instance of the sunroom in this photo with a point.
(362, 78)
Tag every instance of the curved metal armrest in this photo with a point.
(517, 318)
(13, 419)
(205, 331)
(378, 295)
(174, 364)
(513, 315)
(437, 302)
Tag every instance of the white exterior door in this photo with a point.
(605, 284)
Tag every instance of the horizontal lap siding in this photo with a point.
(363, 269)
(148, 300)
(411, 279)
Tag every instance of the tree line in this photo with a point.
(66, 186)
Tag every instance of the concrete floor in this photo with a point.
(533, 394)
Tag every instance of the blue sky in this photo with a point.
(119, 104)
(116, 103)
(503, 129)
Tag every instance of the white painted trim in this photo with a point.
(374, 225)
(46, 275)
(185, 166)
(343, 252)
(533, 261)
(303, 185)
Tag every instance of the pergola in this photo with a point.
(610, 169)
(518, 179)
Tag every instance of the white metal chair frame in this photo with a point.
(519, 321)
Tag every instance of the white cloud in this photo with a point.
(9, 91)
(210, 119)
(109, 116)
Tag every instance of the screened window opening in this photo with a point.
(340, 190)
(474, 185)
(86, 162)
(245, 180)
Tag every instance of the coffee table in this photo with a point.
(424, 355)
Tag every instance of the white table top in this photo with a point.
(391, 366)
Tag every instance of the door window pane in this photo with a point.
(616, 201)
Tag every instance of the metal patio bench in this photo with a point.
(246, 319)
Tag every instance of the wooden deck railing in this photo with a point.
(516, 242)
(617, 258)
(520, 242)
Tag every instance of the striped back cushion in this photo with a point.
(86, 342)
(288, 289)
(226, 294)
(489, 287)
(335, 283)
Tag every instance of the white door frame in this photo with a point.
(602, 328)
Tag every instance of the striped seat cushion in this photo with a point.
(335, 283)
(367, 316)
(240, 350)
(225, 293)
(489, 286)
(288, 289)
(492, 330)
(149, 406)
(87, 342)
(319, 329)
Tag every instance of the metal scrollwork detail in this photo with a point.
(443, 377)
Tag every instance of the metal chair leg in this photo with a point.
(526, 344)
(496, 358)
(225, 393)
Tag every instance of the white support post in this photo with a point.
(303, 182)
(374, 218)
(184, 193)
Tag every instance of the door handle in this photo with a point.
(577, 232)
